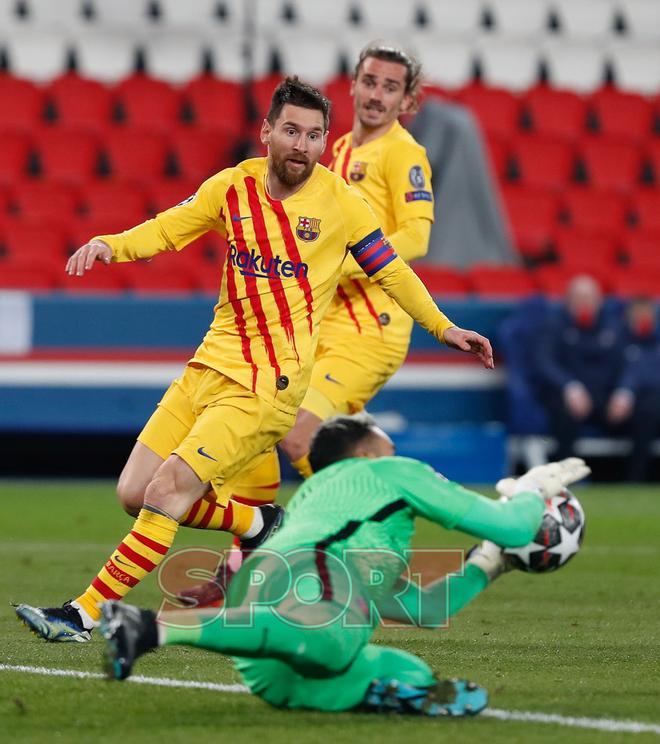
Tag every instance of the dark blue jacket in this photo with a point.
(594, 356)
(641, 363)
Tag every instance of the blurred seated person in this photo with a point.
(578, 365)
(637, 399)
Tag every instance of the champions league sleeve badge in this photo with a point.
(416, 176)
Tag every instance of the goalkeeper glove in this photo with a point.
(547, 480)
(489, 558)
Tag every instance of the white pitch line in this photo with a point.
(598, 724)
(138, 679)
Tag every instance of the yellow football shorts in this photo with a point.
(349, 370)
(216, 425)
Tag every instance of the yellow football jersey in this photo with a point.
(283, 265)
(394, 175)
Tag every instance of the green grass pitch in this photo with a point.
(584, 641)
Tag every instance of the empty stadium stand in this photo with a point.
(113, 111)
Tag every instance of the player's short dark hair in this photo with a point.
(337, 438)
(294, 91)
(390, 53)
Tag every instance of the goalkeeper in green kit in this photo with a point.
(300, 612)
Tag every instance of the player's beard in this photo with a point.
(285, 175)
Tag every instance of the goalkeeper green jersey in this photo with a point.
(362, 512)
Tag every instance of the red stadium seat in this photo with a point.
(68, 155)
(501, 281)
(15, 150)
(149, 104)
(633, 282)
(596, 212)
(553, 280)
(261, 91)
(642, 249)
(497, 110)
(36, 241)
(100, 279)
(136, 155)
(556, 113)
(22, 103)
(217, 104)
(442, 280)
(166, 193)
(611, 164)
(208, 278)
(114, 202)
(498, 154)
(577, 251)
(533, 218)
(155, 277)
(338, 91)
(5, 202)
(200, 153)
(341, 113)
(81, 103)
(205, 254)
(84, 229)
(621, 114)
(646, 209)
(544, 162)
(27, 275)
(46, 200)
(652, 156)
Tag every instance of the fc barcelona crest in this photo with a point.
(308, 228)
(358, 171)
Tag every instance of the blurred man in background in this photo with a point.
(637, 399)
(578, 363)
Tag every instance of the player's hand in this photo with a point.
(459, 338)
(83, 259)
(506, 487)
(620, 405)
(577, 400)
(549, 480)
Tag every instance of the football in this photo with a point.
(558, 539)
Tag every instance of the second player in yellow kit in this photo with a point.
(365, 335)
(394, 175)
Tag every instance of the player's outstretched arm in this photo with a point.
(408, 290)
(83, 259)
(509, 524)
(472, 342)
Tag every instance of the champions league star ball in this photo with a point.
(558, 539)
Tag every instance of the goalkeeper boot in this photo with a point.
(212, 592)
(60, 624)
(451, 697)
(129, 632)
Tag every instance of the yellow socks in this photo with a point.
(137, 555)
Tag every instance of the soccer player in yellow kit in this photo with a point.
(391, 170)
(364, 335)
(289, 223)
